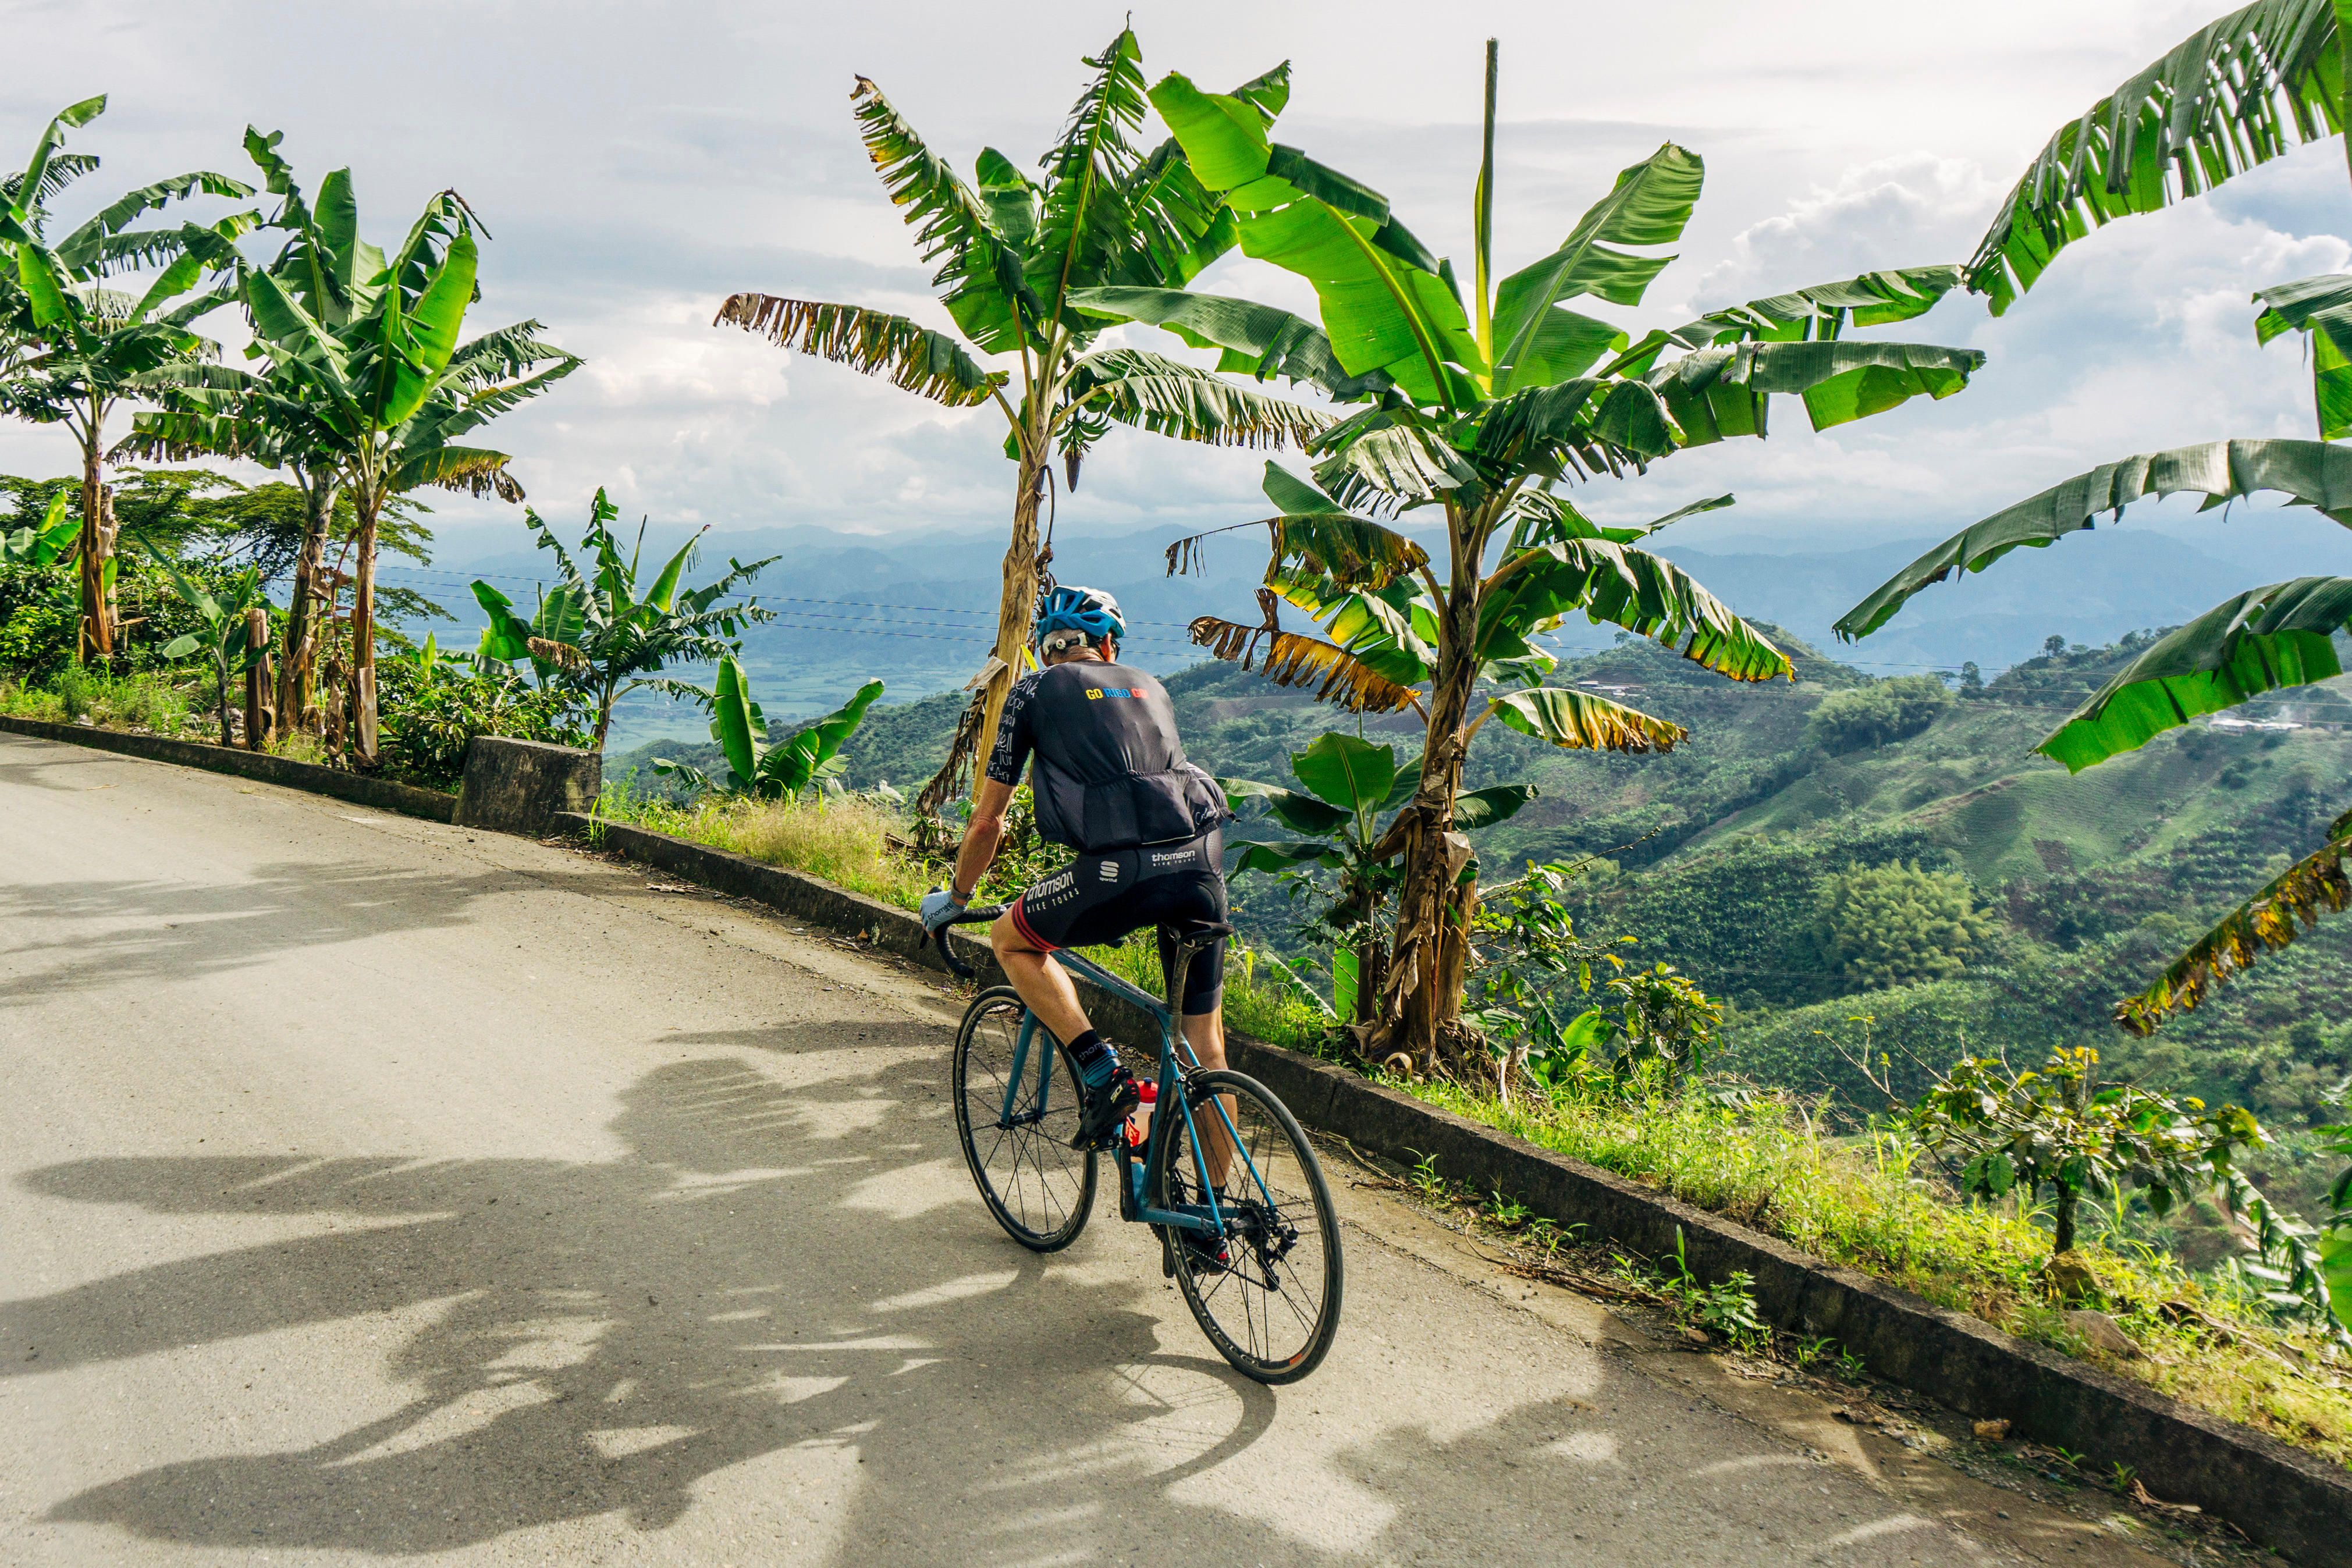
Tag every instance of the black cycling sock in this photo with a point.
(1095, 1058)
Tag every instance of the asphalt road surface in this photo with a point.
(374, 1189)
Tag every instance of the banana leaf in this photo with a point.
(2309, 472)
(2236, 93)
(1580, 720)
(812, 754)
(2316, 886)
(2256, 642)
(2322, 307)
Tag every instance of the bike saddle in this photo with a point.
(1198, 933)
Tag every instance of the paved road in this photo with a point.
(370, 1189)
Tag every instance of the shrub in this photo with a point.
(432, 709)
(1878, 714)
(1889, 925)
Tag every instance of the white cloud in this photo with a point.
(654, 157)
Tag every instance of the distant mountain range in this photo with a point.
(918, 610)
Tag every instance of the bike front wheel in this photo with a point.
(1016, 1109)
(1266, 1290)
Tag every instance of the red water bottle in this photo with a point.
(1139, 1120)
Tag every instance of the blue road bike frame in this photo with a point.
(1027, 1095)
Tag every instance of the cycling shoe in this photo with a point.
(1103, 1119)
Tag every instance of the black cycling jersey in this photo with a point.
(1110, 773)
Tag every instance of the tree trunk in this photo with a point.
(1426, 962)
(363, 734)
(1368, 973)
(256, 680)
(1016, 612)
(299, 670)
(2068, 1198)
(96, 641)
(604, 714)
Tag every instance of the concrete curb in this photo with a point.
(2294, 1502)
(407, 799)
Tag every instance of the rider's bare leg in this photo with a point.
(1044, 985)
(1206, 1032)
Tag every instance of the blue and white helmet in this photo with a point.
(1087, 611)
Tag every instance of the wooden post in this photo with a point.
(256, 680)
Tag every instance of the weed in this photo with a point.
(299, 746)
(1506, 1212)
(1425, 1179)
(1551, 1237)
(1726, 1309)
(1806, 1352)
(1867, 1208)
(2120, 1477)
(1852, 1368)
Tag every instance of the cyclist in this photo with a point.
(1111, 783)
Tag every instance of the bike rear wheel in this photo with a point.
(1270, 1304)
(1040, 1188)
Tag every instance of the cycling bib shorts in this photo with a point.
(1101, 898)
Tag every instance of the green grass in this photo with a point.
(148, 701)
(1864, 1204)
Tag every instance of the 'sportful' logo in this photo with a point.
(1110, 871)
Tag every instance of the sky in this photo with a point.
(633, 164)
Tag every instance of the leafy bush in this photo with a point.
(1877, 715)
(1890, 925)
(432, 709)
(2057, 1127)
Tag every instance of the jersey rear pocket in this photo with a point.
(1141, 809)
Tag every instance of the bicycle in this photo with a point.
(1244, 1217)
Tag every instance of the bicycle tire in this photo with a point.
(1304, 1276)
(1039, 1189)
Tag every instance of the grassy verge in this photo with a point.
(1864, 1204)
(846, 839)
(1762, 1160)
(146, 701)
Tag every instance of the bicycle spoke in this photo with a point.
(1037, 1190)
(1278, 1242)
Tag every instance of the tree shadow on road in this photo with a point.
(784, 1300)
(753, 1278)
(110, 933)
(31, 763)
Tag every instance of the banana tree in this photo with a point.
(2237, 92)
(1479, 412)
(1013, 252)
(80, 349)
(273, 418)
(1352, 787)
(366, 348)
(598, 635)
(808, 758)
(224, 641)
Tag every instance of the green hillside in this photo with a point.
(1717, 857)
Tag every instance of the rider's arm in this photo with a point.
(1006, 759)
(981, 836)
